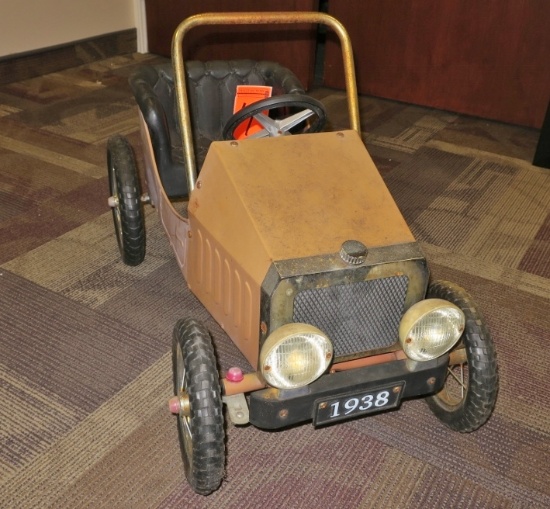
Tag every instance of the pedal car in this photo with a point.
(291, 240)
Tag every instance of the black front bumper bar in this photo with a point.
(273, 408)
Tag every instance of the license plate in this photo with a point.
(357, 403)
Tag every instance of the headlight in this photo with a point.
(430, 328)
(295, 355)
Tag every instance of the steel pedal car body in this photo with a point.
(295, 246)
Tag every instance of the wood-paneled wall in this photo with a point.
(488, 58)
(293, 47)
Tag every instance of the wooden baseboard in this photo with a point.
(36, 63)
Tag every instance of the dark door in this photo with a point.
(293, 47)
(487, 58)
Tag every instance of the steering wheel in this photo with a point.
(281, 127)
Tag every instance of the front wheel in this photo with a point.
(469, 395)
(200, 416)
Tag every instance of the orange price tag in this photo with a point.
(246, 95)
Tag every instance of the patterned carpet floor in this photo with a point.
(85, 370)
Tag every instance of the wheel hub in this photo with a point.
(179, 405)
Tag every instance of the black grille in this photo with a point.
(357, 317)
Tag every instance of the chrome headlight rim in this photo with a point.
(317, 343)
(438, 317)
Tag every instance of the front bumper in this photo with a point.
(273, 408)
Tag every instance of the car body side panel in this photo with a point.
(229, 293)
(175, 225)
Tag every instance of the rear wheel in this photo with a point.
(200, 419)
(469, 395)
(125, 201)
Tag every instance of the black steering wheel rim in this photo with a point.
(279, 101)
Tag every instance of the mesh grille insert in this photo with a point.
(357, 317)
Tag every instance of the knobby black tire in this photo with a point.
(128, 214)
(195, 373)
(475, 407)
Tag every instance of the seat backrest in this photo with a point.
(211, 89)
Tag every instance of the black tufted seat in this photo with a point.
(211, 88)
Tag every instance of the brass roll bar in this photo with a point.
(252, 18)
